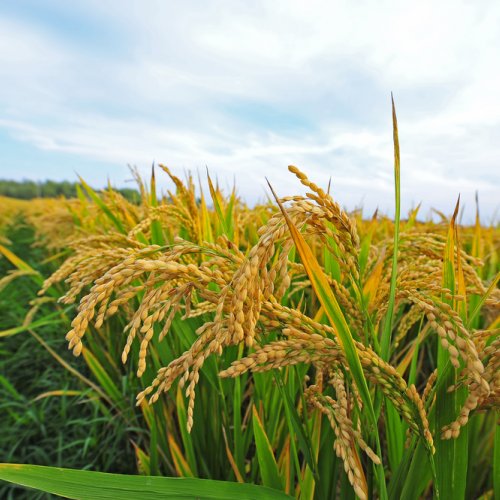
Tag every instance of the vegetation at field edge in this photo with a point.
(293, 345)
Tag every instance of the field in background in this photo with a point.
(287, 345)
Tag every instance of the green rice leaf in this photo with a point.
(49, 319)
(104, 379)
(97, 200)
(451, 454)
(218, 209)
(267, 463)
(496, 463)
(89, 485)
(386, 334)
(156, 229)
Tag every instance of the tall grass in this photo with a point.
(295, 346)
(47, 416)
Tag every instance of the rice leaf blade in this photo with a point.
(451, 454)
(89, 485)
(98, 201)
(265, 456)
(387, 330)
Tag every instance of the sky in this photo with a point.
(247, 88)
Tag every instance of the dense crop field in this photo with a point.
(318, 353)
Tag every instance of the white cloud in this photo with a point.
(170, 93)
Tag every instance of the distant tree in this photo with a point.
(27, 190)
(130, 194)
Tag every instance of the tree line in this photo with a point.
(27, 190)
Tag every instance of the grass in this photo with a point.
(47, 416)
(318, 353)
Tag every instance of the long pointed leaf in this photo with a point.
(267, 463)
(88, 485)
(97, 200)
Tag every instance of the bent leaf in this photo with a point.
(89, 485)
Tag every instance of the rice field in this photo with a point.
(291, 349)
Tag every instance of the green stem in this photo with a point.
(386, 335)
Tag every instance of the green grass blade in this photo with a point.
(451, 454)
(156, 229)
(417, 476)
(50, 319)
(268, 468)
(89, 485)
(230, 214)
(482, 300)
(181, 465)
(72, 370)
(206, 227)
(218, 209)
(496, 463)
(365, 245)
(105, 381)
(97, 200)
(386, 334)
(238, 431)
(395, 435)
(311, 483)
(19, 263)
(394, 427)
(295, 425)
(142, 461)
(187, 439)
(332, 266)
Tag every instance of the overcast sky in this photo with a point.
(248, 87)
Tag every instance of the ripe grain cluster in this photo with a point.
(189, 294)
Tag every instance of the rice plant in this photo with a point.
(316, 352)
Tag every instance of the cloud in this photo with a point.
(249, 88)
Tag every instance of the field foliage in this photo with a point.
(293, 345)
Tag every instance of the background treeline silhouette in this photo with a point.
(27, 190)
